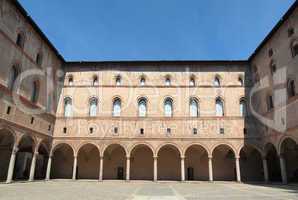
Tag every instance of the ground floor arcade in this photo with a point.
(28, 158)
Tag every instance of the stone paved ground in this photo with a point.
(114, 190)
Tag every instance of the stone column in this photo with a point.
(182, 169)
(12, 164)
(48, 175)
(265, 168)
(74, 170)
(210, 168)
(283, 170)
(127, 168)
(238, 173)
(155, 168)
(32, 168)
(101, 169)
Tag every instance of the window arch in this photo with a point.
(243, 107)
(142, 107)
(168, 107)
(70, 80)
(194, 107)
(39, 58)
(291, 88)
(93, 107)
(272, 67)
(20, 41)
(142, 80)
(13, 75)
(35, 91)
(118, 80)
(67, 107)
(95, 80)
(192, 81)
(117, 107)
(219, 106)
(168, 81)
(216, 81)
(294, 48)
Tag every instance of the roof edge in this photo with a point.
(156, 62)
(274, 30)
(37, 29)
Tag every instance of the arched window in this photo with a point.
(39, 58)
(95, 80)
(168, 107)
(168, 81)
(291, 88)
(256, 76)
(142, 106)
(240, 80)
(219, 107)
(216, 81)
(93, 107)
(70, 80)
(272, 67)
(194, 107)
(67, 107)
(13, 75)
(142, 81)
(20, 40)
(118, 80)
(270, 103)
(35, 91)
(192, 81)
(117, 107)
(243, 108)
(294, 48)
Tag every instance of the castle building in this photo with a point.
(146, 120)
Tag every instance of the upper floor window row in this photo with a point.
(12, 80)
(142, 105)
(217, 81)
(20, 42)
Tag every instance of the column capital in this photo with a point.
(128, 157)
(75, 156)
(36, 153)
(210, 157)
(155, 157)
(237, 157)
(182, 157)
(101, 157)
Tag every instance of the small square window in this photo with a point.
(49, 127)
(222, 131)
(115, 130)
(64, 130)
(195, 131)
(91, 130)
(142, 131)
(8, 110)
(168, 131)
(32, 120)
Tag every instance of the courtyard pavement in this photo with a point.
(134, 190)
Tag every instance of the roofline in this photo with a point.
(274, 30)
(37, 29)
(158, 62)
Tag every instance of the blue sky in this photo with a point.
(156, 29)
